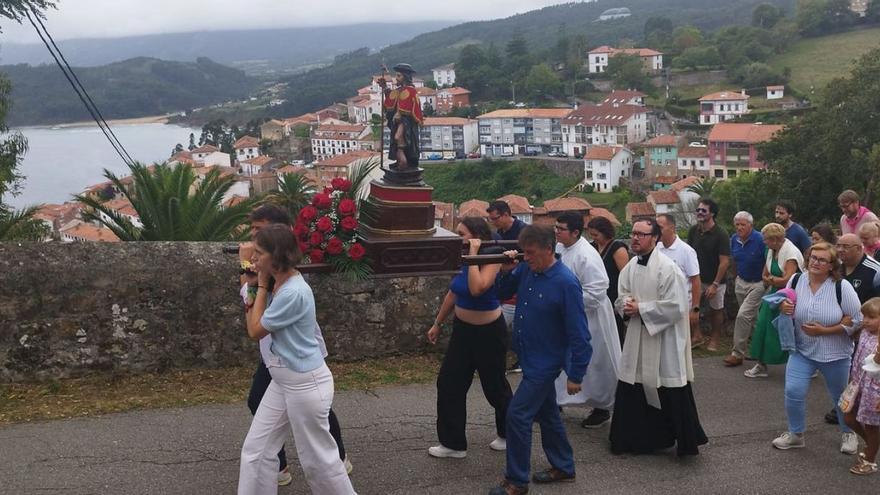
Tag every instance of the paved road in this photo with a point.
(195, 450)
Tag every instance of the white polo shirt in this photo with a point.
(685, 258)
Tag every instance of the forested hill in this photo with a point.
(132, 88)
(542, 29)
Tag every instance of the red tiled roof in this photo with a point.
(663, 197)
(347, 159)
(665, 180)
(260, 161)
(90, 232)
(527, 113)
(290, 169)
(642, 52)
(234, 200)
(602, 212)
(206, 148)
(429, 121)
(694, 152)
(247, 142)
(743, 133)
(622, 95)
(455, 91)
(569, 203)
(602, 152)
(426, 91)
(473, 208)
(121, 206)
(306, 118)
(662, 140)
(725, 96)
(603, 114)
(640, 210)
(353, 128)
(517, 204)
(685, 183)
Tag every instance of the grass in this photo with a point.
(814, 62)
(96, 395)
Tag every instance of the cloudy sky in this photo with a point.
(113, 18)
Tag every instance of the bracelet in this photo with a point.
(262, 287)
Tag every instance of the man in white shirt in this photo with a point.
(686, 258)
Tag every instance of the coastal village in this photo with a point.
(618, 142)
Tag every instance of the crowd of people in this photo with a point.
(600, 324)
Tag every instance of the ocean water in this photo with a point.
(64, 161)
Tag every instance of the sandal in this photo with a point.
(862, 467)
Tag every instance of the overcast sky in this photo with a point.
(114, 18)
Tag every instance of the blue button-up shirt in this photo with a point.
(749, 256)
(550, 330)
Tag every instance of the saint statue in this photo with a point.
(403, 115)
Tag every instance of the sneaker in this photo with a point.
(348, 467)
(284, 477)
(757, 371)
(441, 452)
(515, 368)
(789, 440)
(849, 443)
(498, 444)
(831, 417)
(596, 419)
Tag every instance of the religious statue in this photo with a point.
(403, 116)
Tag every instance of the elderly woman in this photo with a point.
(869, 234)
(826, 313)
(615, 256)
(823, 233)
(783, 261)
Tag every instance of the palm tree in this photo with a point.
(705, 187)
(21, 225)
(172, 207)
(295, 190)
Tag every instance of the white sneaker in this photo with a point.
(348, 467)
(284, 477)
(499, 444)
(441, 451)
(849, 443)
(789, 440)
(757, 371)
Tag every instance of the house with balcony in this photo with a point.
(521, 131)
(605, 166)
(335, 139)
(733, 148)
(446, 138)
(246, 147)
(723, 106)
(449, 99)
(693, 161)
(661, 155)
(598, 58)
(603, 124)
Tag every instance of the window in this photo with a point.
(719, 174)
(731, 174)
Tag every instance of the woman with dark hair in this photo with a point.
(301, 391)
(823, 233)
(478, 342)
(615, 256)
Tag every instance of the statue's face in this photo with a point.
(400, 78)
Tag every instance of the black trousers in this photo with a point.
(481, 348)
(260, 383)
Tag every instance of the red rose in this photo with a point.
(303, 247)
(300, 229)
(308, 213)
(349, 223)
(328, 190)
(347, 207)
(341, 184)
(324, 224)
(356, 252)
(316, 239)
(322, 201)
(316, 256)
(334, 246)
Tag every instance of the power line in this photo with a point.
(81, 91)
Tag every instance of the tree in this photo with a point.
(294, 191)
(704, 188)
(431, 84)
(192, 142)
(685, 37)
(812, 17)
(169, 212)
(627, 72)
(696, 57)
(759, 74)
(17, 9)
(766, 16)
(542, 83)
(517, 46)
(178, 148)
(20, 225)
(657, 29)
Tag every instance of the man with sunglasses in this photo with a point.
(654, 403)
(712, 245)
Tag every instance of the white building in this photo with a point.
(597, 58)
(207, 155)
(258, 165)
(444, 75)
(604, 166)
(448, 137)
(723, 106)
(521, 131)
(603, 124)
(427, 97)
(775, 92)
(246, 147)
(693, 161)
(332, 139)
(617, 13)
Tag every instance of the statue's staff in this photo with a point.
(382, 117)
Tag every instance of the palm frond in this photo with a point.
(358, 175)
(20, 225)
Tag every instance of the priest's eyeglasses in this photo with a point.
(641, 235)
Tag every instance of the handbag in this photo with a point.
(848, 397)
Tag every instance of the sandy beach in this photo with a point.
(156, 119)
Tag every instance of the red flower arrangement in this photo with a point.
(327, 229)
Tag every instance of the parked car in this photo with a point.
(558, 154)
(530, 153)
(474, 154)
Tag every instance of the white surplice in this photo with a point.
(656, 351)
(600, 382)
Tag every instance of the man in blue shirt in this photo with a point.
(507, 228)
(549, 335)
(794, 232)
(748, 252)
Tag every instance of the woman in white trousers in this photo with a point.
(301, 392)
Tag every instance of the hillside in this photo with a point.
(255, 51)
(541, 29)
(132, 88)
(816, 61)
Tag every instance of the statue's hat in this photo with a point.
(404, 69)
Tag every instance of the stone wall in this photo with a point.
(75, 309)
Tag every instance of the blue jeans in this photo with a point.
(533, 401)
(798, 375)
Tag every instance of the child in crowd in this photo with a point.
(863, 415)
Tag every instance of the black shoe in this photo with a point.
(596, 419)
(515, 368)
(552, 475)
(831, 417)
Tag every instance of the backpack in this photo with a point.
(837, 289)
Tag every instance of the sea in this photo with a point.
(63, 161)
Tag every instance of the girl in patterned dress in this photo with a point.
(864, 415)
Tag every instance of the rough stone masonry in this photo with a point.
(75, 309)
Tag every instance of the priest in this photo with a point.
(654, 403)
